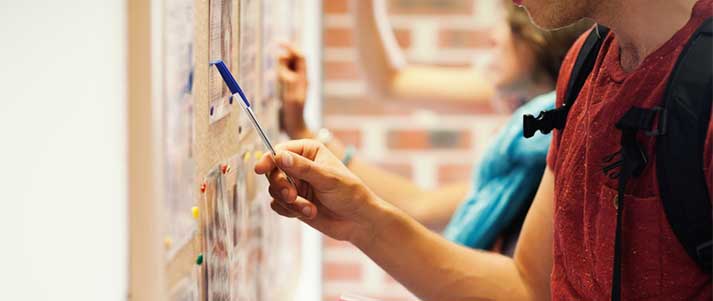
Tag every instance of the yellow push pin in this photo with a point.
(195, 212)
(246, 157)
(258, 155)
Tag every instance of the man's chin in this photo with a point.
(547, 21)
(555, 14)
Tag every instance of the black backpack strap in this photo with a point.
(631, 163)
(555, 119)
(584, 64)
(679, 153)
(680, 137)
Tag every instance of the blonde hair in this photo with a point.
(549, 47)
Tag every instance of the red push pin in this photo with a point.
(203, 187)
(225, 168)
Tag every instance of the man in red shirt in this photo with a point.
(566, 247)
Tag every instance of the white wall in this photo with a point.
(63, 232)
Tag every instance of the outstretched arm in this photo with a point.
(433, 268)
(388, 73)
(436, 269)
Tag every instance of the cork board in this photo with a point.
(213, 142)
(230, 141)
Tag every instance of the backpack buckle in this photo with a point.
(544, 122)
(660, 128)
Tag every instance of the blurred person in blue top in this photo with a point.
(487, 211)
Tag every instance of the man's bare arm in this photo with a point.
(436, 269)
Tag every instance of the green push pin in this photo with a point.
(199, 260)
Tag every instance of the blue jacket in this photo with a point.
(509, 171)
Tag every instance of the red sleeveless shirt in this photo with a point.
(654, 264)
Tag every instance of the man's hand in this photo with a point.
(334, 201)
(292, 75)
(328, 196)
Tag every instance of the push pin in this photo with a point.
(225, 168)
(203, 187)
(199, 259)
(167, 242)
(195, 212)
(258, 155)
(246, 157)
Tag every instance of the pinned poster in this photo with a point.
(249, 71)
(237, 198)
(253, 248)
(251, 258)
(222, 47)
(217, 238)
(177, 124)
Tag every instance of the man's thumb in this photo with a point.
(302, 168)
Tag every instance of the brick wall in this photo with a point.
(430, 142)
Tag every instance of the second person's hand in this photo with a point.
(292, 75)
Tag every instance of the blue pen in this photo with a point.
(236, 90)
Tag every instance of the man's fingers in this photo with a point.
(280, 187)
(282, 210)
(306, 208)
(305, 169)
(265, 164)
(301, 208)
(305, 147)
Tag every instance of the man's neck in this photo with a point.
(642, 26)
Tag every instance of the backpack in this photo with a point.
(680, 135)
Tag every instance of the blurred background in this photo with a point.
(432, 141)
